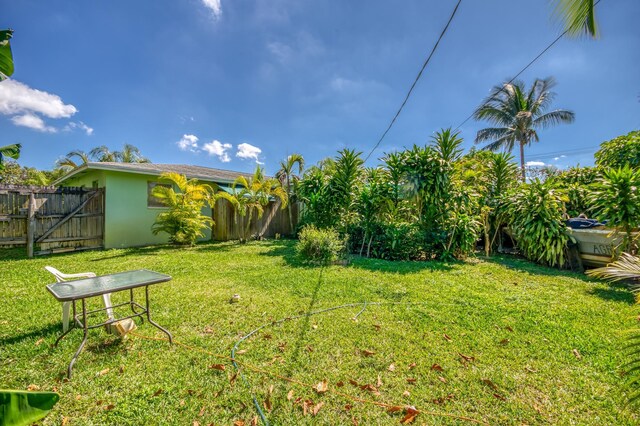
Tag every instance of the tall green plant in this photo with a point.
(253, 195)
(289, 180)
(22, 408)
(536, 219)
(6, 57)
(616, 198)
(518, 113)
(10, 151)
(183, 221)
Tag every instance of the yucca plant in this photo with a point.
(535, 212)
(183, 221)
(616, 198)
(627, 267)
(252, 195)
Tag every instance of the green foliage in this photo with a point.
(14, 174)
(621, 151)
(11, 151)
(578, 15)
(616, 198)
(183, 221)
(101, 154)
(320, 246)
(22, 408)
(536, 219)
(517, 114)
(6, 57)
(253, 195)
(577, 184)
(289, 180)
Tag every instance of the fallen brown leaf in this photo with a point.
(348, 407)
(577, 354)
(394, 409)
(377, 327)
(504, 341)
(33, 388)
(411, 380)
(201, 413)
(267, 404)
(412, 366)
(490, 384)
(436, 367)
(290, 395)
(367, 352)
(103, 372)
(353, 382)
(254, 421)
(241, 351)
(108, 407)
(233, 378)
(39, 342)
(446, 337)
(220, 367)
(310, 348)
(509, 328)
(65, 421)
(182, 402)
(267, 336)
(379, 382)
(340, 384)
(316, 408)
(195, 423)
(442, 379)
(500, 397)
(78, 397)
(238, 423)
(321, 387)
(406, 393)
(410, 415)
(391, 367)
(158, 392)
(530, 370)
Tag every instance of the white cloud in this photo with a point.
(32, 121)
(248, 152)
(188, 143)
(18, 98)
(215, 6)
(78, 125)
(534, 163)
(218, 149)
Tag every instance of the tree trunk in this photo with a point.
(524, 177)
(247, 229)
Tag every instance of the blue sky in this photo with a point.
(225, 84)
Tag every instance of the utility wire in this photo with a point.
(406, 98)
(524, 69)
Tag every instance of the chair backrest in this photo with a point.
(56, 273)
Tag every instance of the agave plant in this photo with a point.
(627, 267)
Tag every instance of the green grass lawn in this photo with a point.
(545, 345)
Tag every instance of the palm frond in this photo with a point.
(626, 267)
(552, 118)
(578, 16)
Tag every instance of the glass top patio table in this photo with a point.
(90, 287)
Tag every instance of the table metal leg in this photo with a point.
(84, 338)
(146, 293)
(133, 308)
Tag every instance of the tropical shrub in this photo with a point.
(535, 213)
(183, 220)
(621, 151)
(616, 198)
(577, 184)
(320, 246)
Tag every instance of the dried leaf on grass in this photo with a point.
(367, 352)
(290, 395)
(490, 384)
(391, 367)
(158, 392)
(436, 367)
(446, 337)
(577, 354)
(442, 379)
(410, 415)
(220, 367)
(103, 372)
(321, 387)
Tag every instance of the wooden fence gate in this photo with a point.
(53, 220)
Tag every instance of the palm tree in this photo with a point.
(11, 151)
(254, 194)
(130, 154)
(578, 16)
(102, 154)
(68, 163)
(288, 179)
(183, 220)
(517, 113)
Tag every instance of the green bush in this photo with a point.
(321, 246)
(535, 213)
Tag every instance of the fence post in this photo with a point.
(31, 224)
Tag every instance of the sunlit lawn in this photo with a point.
(541, 346)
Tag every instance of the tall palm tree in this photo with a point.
(103, 154)
(518, 113)
(578, 16)
(253, 195)
(69, 163)
(289, 179)
(11, 151)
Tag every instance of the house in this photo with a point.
(130, 210)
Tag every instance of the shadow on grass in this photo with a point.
(217, 246)
(45, 331)
(615, 292)
(521, 264)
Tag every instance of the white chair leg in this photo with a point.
(65, 316)
(107, 304)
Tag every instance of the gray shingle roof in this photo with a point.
(198, 172)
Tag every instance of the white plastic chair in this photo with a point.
(60, 277)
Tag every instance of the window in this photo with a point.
(151, 200)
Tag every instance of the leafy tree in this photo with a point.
(73, 160)
(183, 220)
(6, 57)
(101, 154)
(518, 113)
(289, 180)
(616, 197)
(130, 154)
(14, 174)
(343, 186)
(621, 151)
(11, 151)
(577, 183)
(253, 195)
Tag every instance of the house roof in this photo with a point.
(192, 172)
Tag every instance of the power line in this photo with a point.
(426, 62)
(525, 68)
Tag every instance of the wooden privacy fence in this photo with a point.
(275, 220)
(51, 219)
